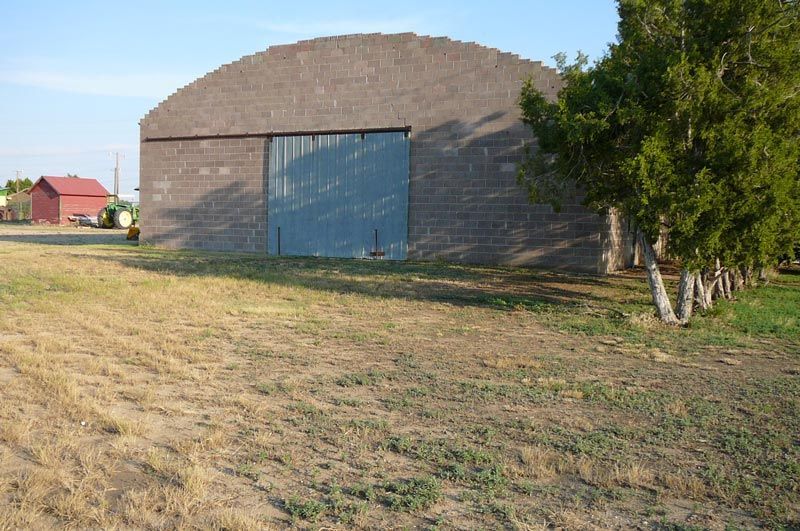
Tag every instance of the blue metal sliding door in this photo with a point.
(329, 194)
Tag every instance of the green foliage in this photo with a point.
(361, 378)
(690, 119)
(304, 509)
(772, 312)
(11, 184)
(492, 480)
(413, 494)
(365, 491)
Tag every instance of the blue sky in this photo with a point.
(76, 77)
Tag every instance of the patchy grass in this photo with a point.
(142, 388)
(772, 311)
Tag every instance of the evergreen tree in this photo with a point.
(690, 121)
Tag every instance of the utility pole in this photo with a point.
(18, 174)
(116, 176)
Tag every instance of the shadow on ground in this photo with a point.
(89, 237)
(466, 285)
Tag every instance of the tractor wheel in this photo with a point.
(104, 221)
(123, 218)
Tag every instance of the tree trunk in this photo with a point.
(738, 281)
(657, 290)
(747, 276)
(716, 291)
(762, 275)
(726, 284)
(700, 292)
(711, 282)
(685, 297)
(707, 287)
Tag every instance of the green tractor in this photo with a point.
(118, 215)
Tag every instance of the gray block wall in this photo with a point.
(205, 194)
(204, 150)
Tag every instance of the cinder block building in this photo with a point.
(399, 146)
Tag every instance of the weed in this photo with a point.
(271, 388)
(407, 361)
(349, 402)
(400, 445)
(304, 509)
(307, 410)
(394, 403)
(369, 424)
(453, 472)
(364, 491)
(248, 470)
(491, 481)
(413, 494)
(361, 378)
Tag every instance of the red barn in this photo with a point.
(54, 199)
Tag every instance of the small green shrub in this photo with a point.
(304, 509)
(363, 491)
(413, 494)
(360, 378)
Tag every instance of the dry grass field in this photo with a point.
(142, 388)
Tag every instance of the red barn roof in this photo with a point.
(73, 186)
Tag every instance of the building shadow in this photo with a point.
(90, 237)
(498, 287)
